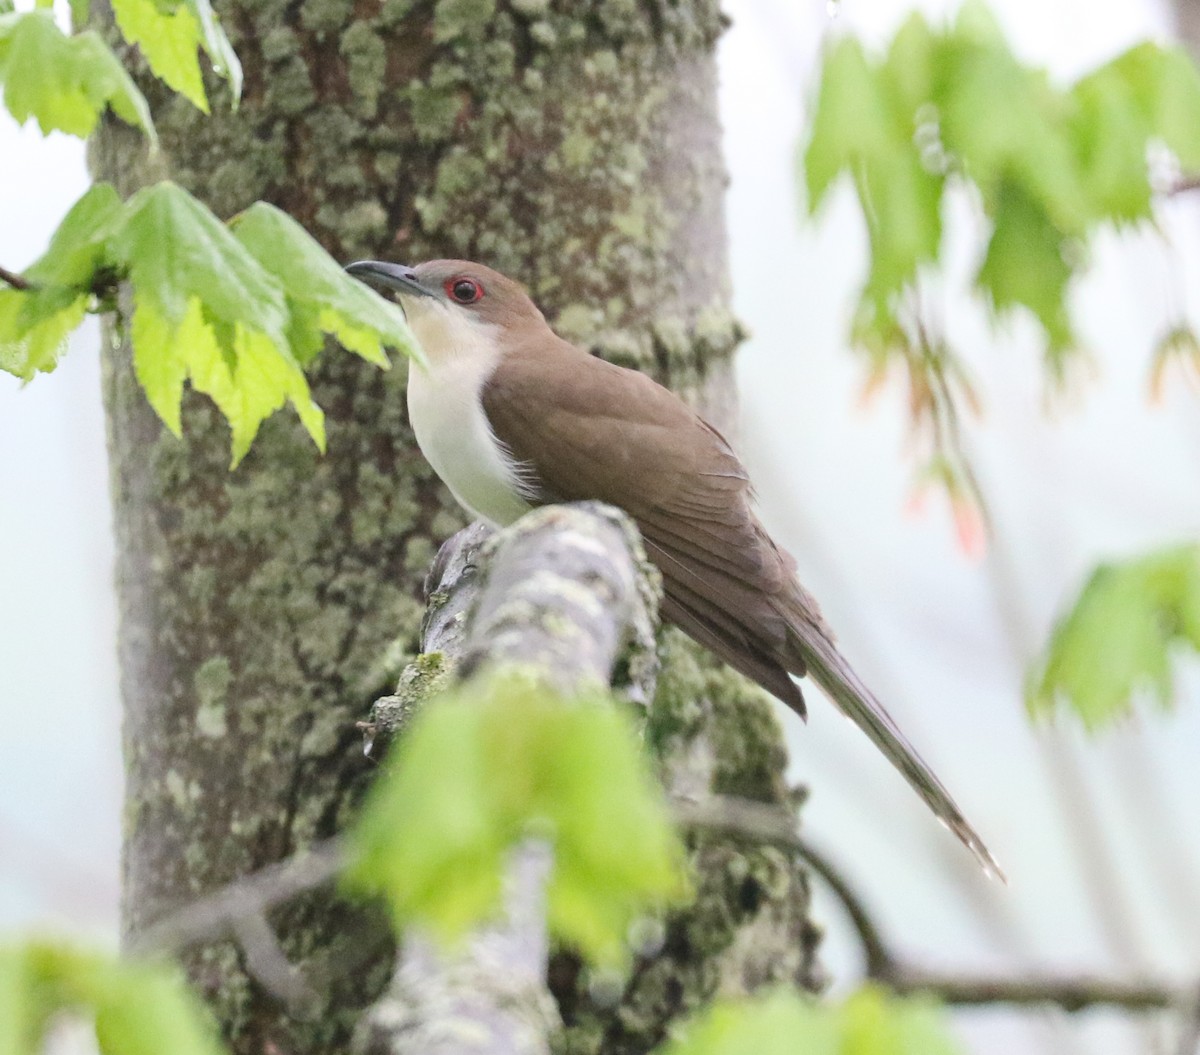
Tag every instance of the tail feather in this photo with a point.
(833, 673)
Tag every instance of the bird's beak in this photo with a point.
(397, 277)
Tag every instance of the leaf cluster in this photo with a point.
(138, 1009)
(505, 759)
(1049, 165)
(66, 81)
(1118, 639)
(869, 1022)
(237, 310)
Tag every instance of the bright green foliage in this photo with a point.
(34, 325)
(953, 105)
(868, 1023)
(507, 758)
(63, 82)
(320, 298)
(1118, 639)
(238, 317)
(138, 1009)
(170, 36)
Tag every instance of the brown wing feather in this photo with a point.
(617, 436)
(601, 432)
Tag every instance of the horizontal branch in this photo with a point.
(1069, 992)
(222, 914)
(218, 914)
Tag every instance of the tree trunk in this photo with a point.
(574, 146)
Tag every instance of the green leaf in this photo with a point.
(322, 298)
(1025, 265)
(217, 47)
(1116, 642)
(506, 758)
(852, 123)
(34, 328)
(207, 311)
(910, 67)
(1164, 85)
(34, 324)
(865, 123)
(869, 1022)
(6, 7)
(170, 38)
(77, 247)
(876, 1023)
(175, 249)
(1006, 124)
(902, 202)
(138, 1009)
(160, 359)
(142, 1010)
(1109, 132)
(63, 82)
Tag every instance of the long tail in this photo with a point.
(829, 668)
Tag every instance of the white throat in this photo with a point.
(447, 415)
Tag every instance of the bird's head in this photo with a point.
(452, 302)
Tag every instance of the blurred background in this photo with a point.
(1100, 836)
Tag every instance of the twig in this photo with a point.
(1071, 993)
(238, 909)
(217, 915)
(268, 964)
(770, 824)
(14, 280)
(1184, 184)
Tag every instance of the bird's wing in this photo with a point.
(602, 432)
(585, 429)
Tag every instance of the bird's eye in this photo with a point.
(464, 290)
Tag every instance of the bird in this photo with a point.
(511, 416)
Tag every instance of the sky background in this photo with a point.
(1099, 836)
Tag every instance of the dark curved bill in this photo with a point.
(397, 277)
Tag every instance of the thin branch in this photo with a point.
(1185, 183)
(216, 915)
(238, 910)
(14, 280)
(270, 967)
(770, 824)
(1071, 993)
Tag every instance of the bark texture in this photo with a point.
(566, 592)
(571, 144)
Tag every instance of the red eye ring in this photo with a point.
(463, 290)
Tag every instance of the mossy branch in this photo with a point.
(568, 592)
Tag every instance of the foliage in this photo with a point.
(869, 1022)
(239, 313)
(506, 759)
(170, 36)
(1049, 166)
(66, 82)
(63, 82)
(138, 1009)
(1118, 638)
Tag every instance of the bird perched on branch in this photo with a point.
(511, 416)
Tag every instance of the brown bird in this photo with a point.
(511, 416)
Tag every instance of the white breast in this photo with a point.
(448, 418)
